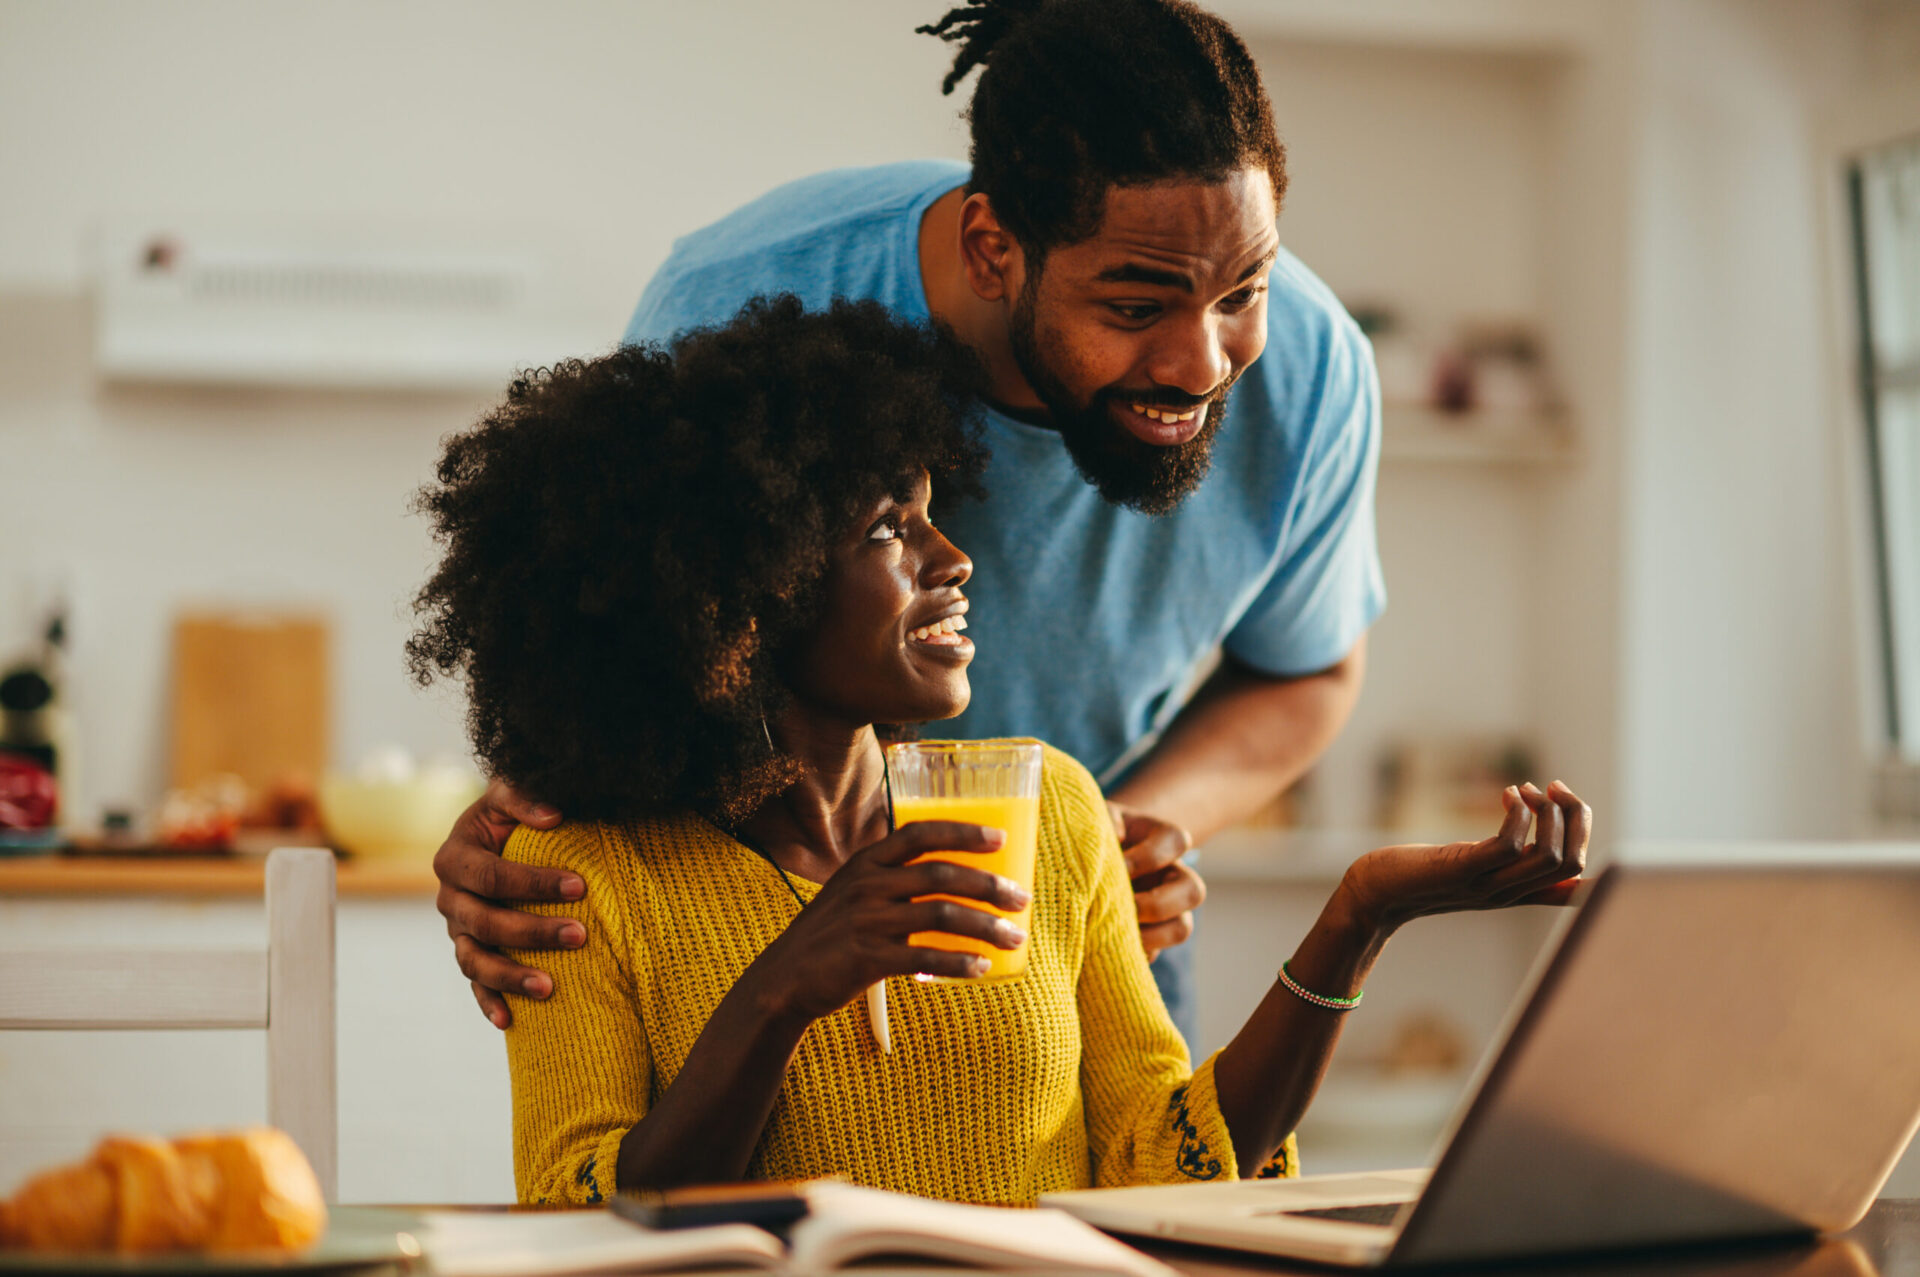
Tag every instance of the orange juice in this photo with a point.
(1020, 817)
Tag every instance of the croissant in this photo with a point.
(240, 1191)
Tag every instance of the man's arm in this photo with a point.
(1242, 740)
(476, 887)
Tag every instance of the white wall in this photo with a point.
(1419, 183)
(1740, 715)
(589, 136)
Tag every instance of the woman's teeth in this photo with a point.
(1160, 414)
(940, 631)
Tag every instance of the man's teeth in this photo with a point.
(1158, 414)
(951, 625)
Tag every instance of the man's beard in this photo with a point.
(1125, 470)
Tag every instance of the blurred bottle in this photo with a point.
(36, 742)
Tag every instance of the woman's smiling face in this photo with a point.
(889, 646)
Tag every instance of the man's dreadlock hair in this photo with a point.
(1082, 95)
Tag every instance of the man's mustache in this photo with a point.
(1162, 401)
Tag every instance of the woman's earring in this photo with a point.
(768, 734)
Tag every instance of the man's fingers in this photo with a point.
(1158, 936)
(919, 837)
(492, 1005)
(497, 928)
(1118, 815)
(503, 975)
(507, 805)
(479, 872)
(1174, 891)
(1151, 845)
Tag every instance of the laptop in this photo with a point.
(1722, 1041)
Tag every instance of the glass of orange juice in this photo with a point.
(979, 782)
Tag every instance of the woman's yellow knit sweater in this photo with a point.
(1070, 1076)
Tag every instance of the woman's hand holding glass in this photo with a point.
(1394, 885)
(855, 931)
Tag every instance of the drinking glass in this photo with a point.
(978, 782)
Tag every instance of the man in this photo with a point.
(1112, 256)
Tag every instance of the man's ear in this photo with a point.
(992, 258)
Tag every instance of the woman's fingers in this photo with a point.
(1559, 893)
(1507, 847)
(944, 878)
(956, 919)
(923, 836)
(1551, 858)
(1579, 818)
(924, 961)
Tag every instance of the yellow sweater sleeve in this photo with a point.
(581, 1068)
(1151, 1117)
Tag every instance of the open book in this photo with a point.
(844, 1224)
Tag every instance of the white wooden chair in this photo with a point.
(286, 989)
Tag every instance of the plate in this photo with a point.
(357, 1238)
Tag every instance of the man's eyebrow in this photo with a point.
(1264, 265)
(1136, 273)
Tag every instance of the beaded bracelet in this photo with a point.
(1317, 999)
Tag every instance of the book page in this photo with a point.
(578, 1243)
(846, 1223)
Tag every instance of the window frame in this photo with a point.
(1856, 127)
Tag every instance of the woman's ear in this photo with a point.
(992, 258)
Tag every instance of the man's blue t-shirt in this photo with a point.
(1092, 621)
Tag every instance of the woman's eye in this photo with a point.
(885, 530)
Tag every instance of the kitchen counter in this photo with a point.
(241, 874)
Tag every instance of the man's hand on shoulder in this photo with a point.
(476, 886)
(1165, 890)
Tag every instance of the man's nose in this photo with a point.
(1192, 360)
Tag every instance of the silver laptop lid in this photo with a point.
(1725, 1042)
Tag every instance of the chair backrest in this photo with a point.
(286, 989)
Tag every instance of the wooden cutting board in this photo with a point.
(250, 696)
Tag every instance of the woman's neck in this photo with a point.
(837, 807)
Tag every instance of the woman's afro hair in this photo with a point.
(631, 541)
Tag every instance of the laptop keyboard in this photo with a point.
(1378, 1213)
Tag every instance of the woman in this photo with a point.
(682, 589)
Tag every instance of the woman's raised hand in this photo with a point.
(1395, 885)
(855, 931)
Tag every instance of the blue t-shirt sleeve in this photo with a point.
(1326, 588)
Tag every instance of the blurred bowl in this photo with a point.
(394, 819)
